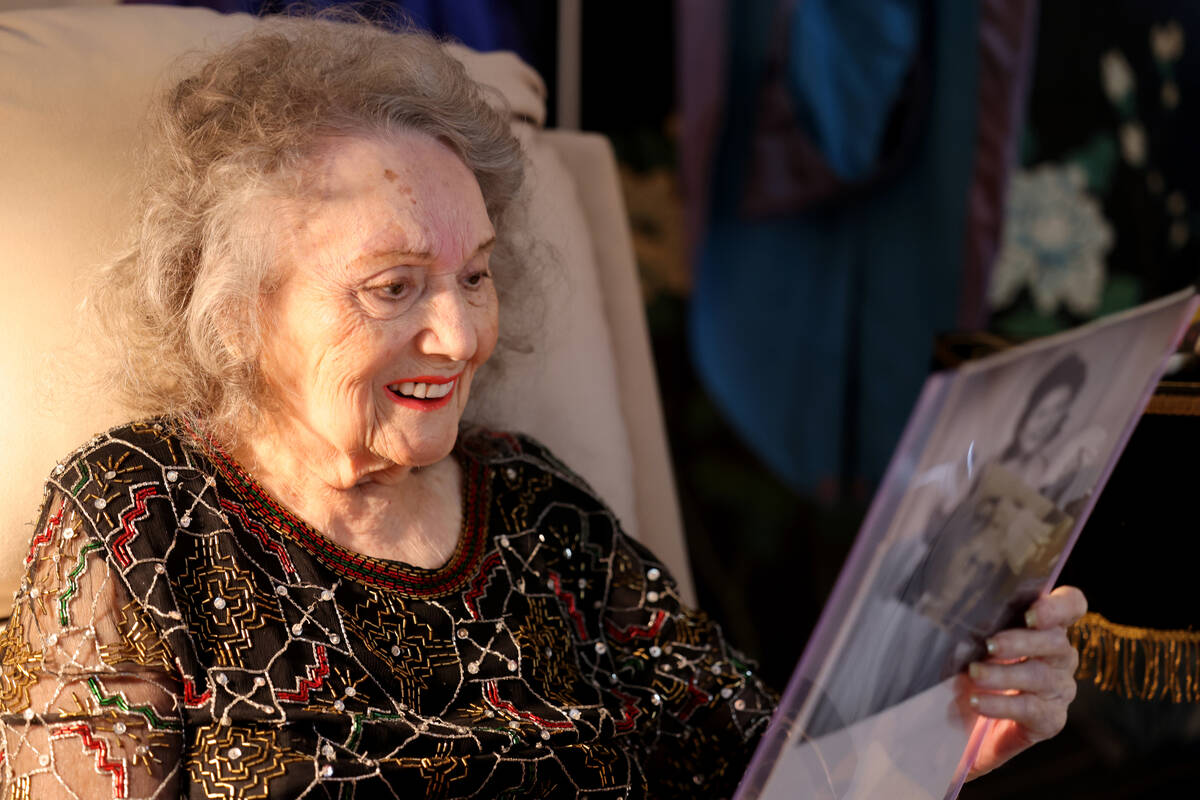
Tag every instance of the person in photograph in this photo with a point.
(987, 562)
(1037, 450)
(980, 560)
(980, 563)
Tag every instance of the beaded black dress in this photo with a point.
(179, 634)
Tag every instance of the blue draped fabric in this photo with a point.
(479, 24)
(814, 332)
(847, 60)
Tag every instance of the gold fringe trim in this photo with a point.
(1175, 405)
(1138, 663)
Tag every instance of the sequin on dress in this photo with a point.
(179, 634)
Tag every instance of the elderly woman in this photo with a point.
(302, 575)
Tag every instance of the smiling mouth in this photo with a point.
(427, 394)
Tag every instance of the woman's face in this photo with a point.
(1045, 420)
(385, 307)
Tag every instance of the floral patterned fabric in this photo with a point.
(1102, 215)
(179, 634)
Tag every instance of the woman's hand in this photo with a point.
(1028, 679)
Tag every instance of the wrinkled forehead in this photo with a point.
(397, 158)
(406, 194)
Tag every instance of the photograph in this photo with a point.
(983, 523)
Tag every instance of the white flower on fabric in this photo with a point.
(1166, 41)
(1055, 241)
(1133, 143)
(1116, 75)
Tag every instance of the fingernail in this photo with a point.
(975, 670)
(1031, 619)
(973, 700)
(991, 647)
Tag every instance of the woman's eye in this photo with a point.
(477, 279)
(393, 291)
(386, 300)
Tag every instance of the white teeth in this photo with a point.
(423, 391)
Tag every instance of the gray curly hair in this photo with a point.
(180, 308)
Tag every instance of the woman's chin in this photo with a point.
(423, 452)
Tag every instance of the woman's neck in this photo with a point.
(398, 512)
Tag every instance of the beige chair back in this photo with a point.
(74, 86)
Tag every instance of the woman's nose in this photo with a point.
(449, 330)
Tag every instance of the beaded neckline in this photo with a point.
(397, 576)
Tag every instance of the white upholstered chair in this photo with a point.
(74, 85)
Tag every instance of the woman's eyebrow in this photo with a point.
(420, 254)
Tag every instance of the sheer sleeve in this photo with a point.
(88, 694)
(712, 707)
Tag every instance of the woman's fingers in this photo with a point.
(1052, 646)
(1060, 608)
(1033, 694)
(1046, 636)
(1028, 677)
(1037, 718)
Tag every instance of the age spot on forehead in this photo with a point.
(402, 188)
